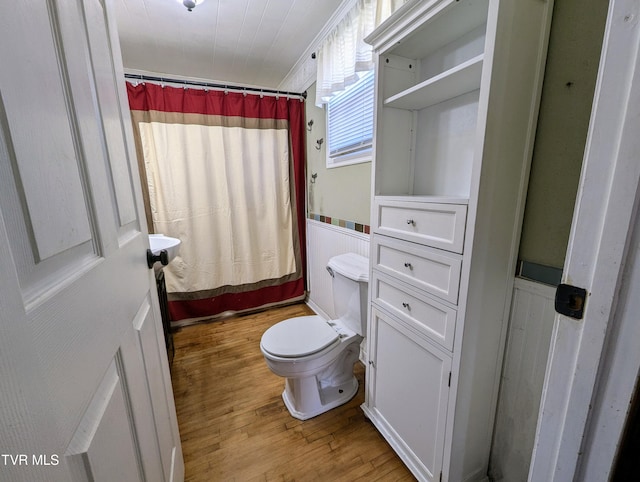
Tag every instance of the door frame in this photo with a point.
(582, 352)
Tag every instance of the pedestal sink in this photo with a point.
(160, 242)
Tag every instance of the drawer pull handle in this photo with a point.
(408, 265)
(406, 305)
(411, 221)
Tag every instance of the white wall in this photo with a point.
(527, 348)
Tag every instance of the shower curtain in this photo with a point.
(224, 174)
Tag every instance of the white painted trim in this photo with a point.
(340, 229)
(533, 287)
(359, 157)
(603, 221)
(616, 382)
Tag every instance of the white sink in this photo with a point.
(158, 242)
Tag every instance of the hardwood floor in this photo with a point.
(234, 425)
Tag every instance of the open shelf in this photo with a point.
(459, 80)
(448, 24)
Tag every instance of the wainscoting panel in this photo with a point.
(323, 242)
(532, 317)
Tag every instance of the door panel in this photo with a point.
(103, 448)
(96, 104)
(410, 374)
(81, 331)
(152, 347)
(140, 396)
(38, 101)
(36, 275)
(106, 84)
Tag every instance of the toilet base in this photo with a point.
(305, 399)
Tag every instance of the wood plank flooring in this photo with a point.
(234, 425)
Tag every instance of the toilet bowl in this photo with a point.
(316, 356)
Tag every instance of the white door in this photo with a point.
(585, 400)
(85, 392)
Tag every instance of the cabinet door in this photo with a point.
(408, 395)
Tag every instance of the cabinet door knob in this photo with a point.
(408, 265)
(406, 305)
(411, 221)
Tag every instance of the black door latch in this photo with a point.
(570, 301)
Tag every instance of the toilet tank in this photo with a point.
(350, 273)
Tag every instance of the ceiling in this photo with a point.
(246, 42)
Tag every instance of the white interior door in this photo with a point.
(582, 413)
(85, 392)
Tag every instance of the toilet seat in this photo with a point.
(299, 337)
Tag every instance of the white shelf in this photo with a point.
(448, 24)
(459, 80)
(423, 199)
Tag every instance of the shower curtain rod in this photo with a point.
(212, 85)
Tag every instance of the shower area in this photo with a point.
(223, 171)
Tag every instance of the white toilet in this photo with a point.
(316, 356)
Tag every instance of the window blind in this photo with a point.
(350, 118)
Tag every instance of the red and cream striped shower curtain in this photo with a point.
(224, 174)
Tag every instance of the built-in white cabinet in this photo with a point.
(457, 94)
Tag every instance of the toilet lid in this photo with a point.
(298, 337)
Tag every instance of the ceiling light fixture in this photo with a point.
(191, 4)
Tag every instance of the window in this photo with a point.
(350, 124)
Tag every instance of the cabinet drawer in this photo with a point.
(430, 317)
(439, 225)
(434, 271)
